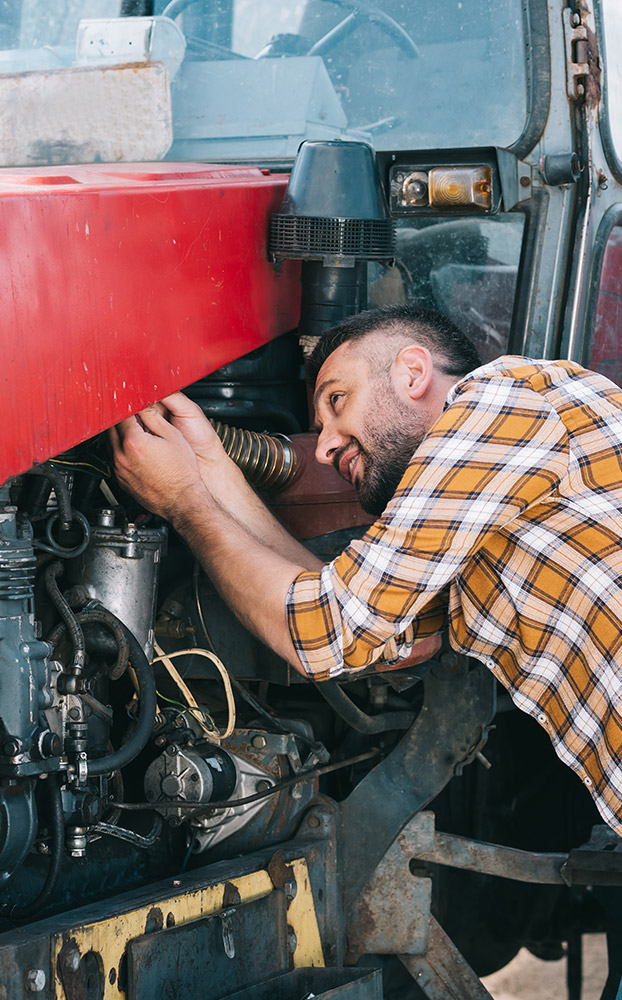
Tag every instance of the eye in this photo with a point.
(333, 400)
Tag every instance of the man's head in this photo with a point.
(380, 381)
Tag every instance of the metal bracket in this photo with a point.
(442, 973)
(577, 66)
(599, 862)
(392, 913)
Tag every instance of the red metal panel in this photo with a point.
(122, 283)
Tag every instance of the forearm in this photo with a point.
(227, 485)
(250, 575)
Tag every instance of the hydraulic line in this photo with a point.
(268, 462)
(343, 705)
(63, 499)
(56, 857)
(119, 641)
(146, 713)
(77, 637)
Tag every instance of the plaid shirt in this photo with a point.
(506, 526)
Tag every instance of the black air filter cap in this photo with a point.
(334, 209)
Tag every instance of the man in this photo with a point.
(499, 503)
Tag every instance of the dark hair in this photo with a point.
(453, 352)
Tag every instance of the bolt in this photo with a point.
(525, 182)
(10, 747)
(259, 742)
(171, 751)
(72, 959)
(262, 786)
(176, 882)
(580, 90)
(290, 888)
(36, 980)
(292, 940)
(313, 822)
(194, 776)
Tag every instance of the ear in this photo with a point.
(413, 371)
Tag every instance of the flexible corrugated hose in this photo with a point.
(268, 462)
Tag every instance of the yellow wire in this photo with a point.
(166, 659)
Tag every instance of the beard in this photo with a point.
(391, 439)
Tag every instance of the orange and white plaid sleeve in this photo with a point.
(498, 448)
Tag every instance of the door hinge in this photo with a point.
(577, 65)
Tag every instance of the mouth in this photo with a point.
(347, 465)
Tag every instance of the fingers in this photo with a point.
(180, 406)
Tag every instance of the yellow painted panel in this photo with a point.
(109, 937)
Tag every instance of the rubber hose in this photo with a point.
(59, 602)
(56, 857)
(146, 714)
(61, 492)
(345, 708)
(267, 462)
(118, 642)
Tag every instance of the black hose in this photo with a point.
(56, 857)
(146, 714)
(118, 641)
(345, 708)
(61, 492)
(77, 638)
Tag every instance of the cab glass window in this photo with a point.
(612, 23)
(604, 350)
(251, 79)
(464, 268)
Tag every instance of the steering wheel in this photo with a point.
(361, 11)
(174, 8)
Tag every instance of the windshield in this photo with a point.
(249, 80)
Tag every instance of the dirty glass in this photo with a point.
(612, 17)
(604, 350)
(250, 79)
(464, 268)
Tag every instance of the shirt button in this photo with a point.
(490, 663)
(587, 781)
(542, 718)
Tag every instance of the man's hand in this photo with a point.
(191, 422)
(156, 463)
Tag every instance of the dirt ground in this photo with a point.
(529, 978)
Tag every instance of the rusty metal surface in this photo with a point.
(85, 115)
(232, 948)
(598, 862)
(351, 984)
(442, 972)
(392, 914)
(494, 859)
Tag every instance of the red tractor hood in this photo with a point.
(122, 283)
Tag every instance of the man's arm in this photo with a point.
(226, 484)
(156, 463)
(173, 462)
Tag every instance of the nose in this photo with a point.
(328, 442)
